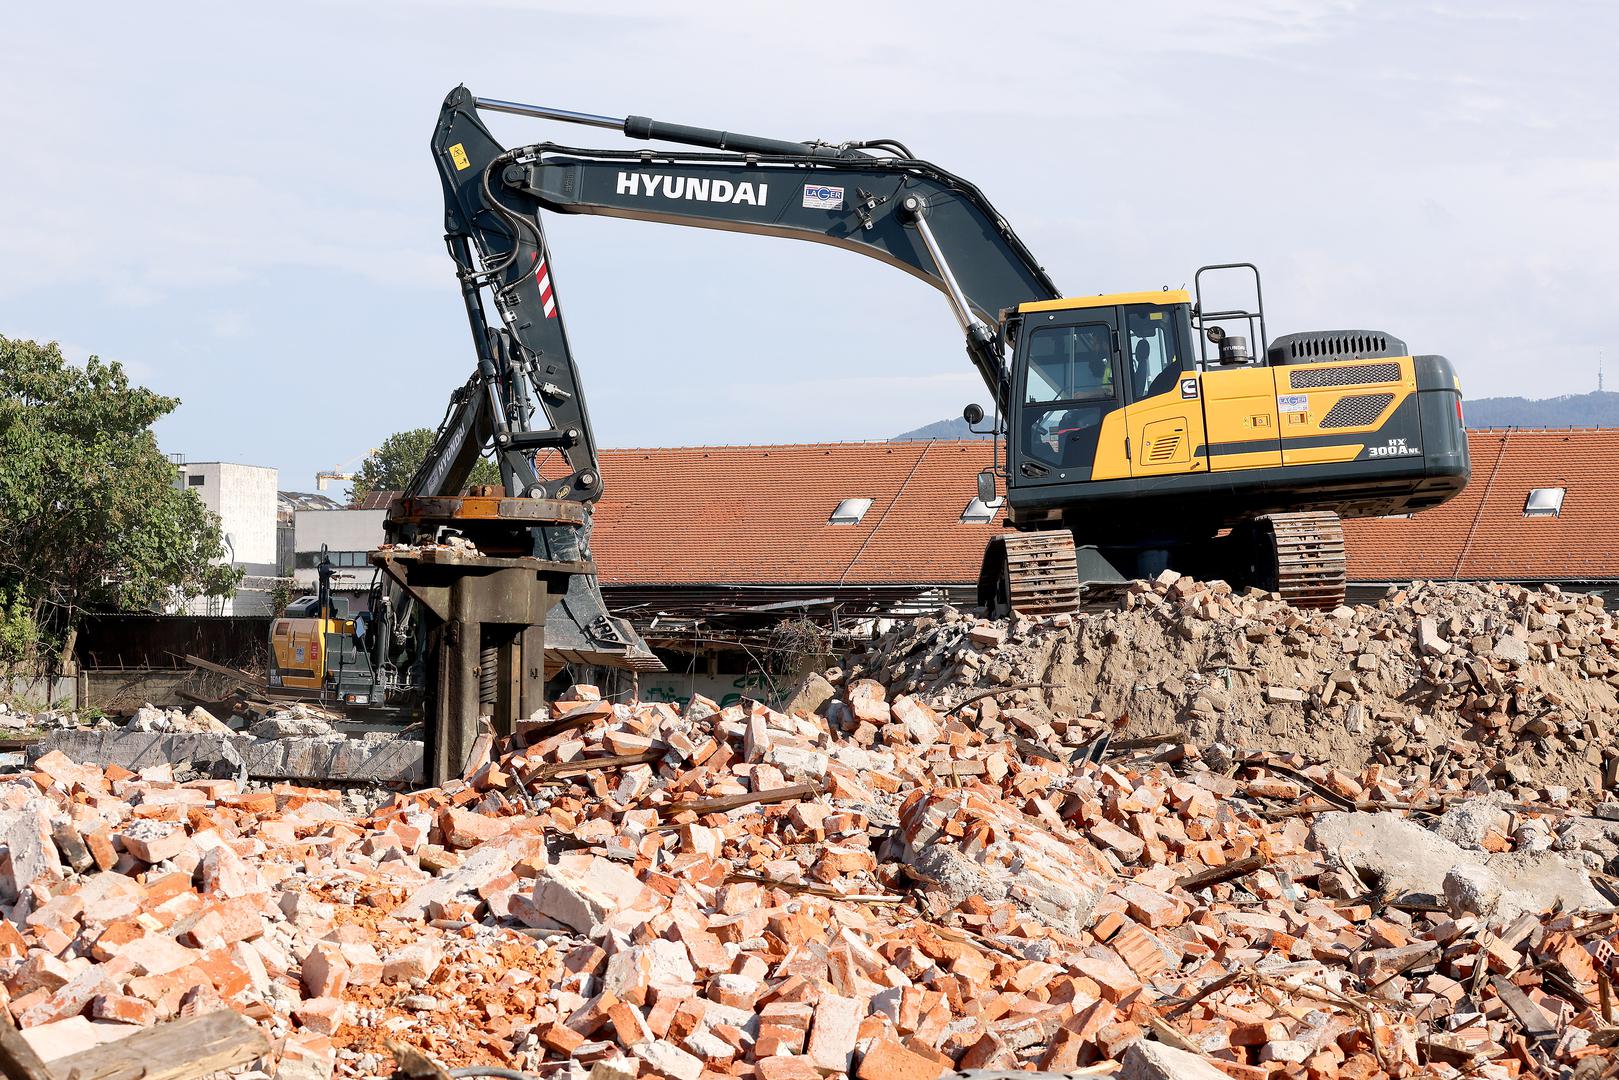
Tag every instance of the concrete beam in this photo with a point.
(317, 758)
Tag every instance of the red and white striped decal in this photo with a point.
(542, 278)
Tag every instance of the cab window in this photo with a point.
(1070, 363)
(1154, 359)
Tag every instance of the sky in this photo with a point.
(237, 202)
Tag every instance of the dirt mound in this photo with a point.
(1517, 685)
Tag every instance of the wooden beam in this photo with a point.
(183, 1050)
(790, 793)
(1214, 875)
(562, 770)
(237, 674)
(529, 732)
(17, 1059)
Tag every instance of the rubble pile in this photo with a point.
(14, 719)
(299, 743)
(1446, 679)
(868, 886)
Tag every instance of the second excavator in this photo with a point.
(1134, 431)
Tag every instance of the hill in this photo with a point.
(1596, 409)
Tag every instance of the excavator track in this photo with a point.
(1306, 559)
(1041, 572)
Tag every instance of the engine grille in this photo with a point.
(1163, 450)
(1356, 411)
(1346, 375)
(1313, 346)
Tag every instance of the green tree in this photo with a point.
(280, 596)
(90, 513)
(391, 465)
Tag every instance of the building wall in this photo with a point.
(244, 497)
(351, 533)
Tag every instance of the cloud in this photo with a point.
(241, 198)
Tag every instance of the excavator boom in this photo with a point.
(902, 211)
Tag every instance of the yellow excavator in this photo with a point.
(1134, 431)
(316, 649)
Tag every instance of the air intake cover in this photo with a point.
(1314, 346)
(1356, 410)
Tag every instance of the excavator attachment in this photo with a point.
(579, 629)
(501, 593)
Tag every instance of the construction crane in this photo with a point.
(341, 473)
(1134, 431)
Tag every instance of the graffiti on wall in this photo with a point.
(677, 690)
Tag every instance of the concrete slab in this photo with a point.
(330, 758)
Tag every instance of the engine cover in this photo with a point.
(1314, 346)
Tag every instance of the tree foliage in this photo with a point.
(391, 465)
(90, 513)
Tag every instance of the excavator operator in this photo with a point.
(1155, 362)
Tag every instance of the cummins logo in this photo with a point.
(700, 188)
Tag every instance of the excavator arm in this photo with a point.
(903, 211)
(525, 401)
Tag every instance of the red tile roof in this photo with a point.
(758, 515)
(375, 500)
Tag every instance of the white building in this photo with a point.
(244, 497)
(349, 537)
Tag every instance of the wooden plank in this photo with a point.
(1214, 875)
(17, 1059)
(1169, 1036)
(183, 1050)
(1145, 742)
(235, 673)
(529, 732)
(562, 770)
(1536, 1024)
(790, 793)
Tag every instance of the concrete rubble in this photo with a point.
(292, 743)
(960, 851)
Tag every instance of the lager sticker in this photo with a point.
(823, 197)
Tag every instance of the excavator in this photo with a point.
(1133, 432)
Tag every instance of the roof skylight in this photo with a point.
(978, 512)
(849, 512)
(1544, 502)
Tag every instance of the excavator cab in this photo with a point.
(1097, 388)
